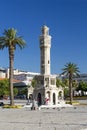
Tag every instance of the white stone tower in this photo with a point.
(45, 45)
(45, 91)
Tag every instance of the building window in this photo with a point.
(42, 69)
(47, 81)
(42, 61)
(52, 81)
(42, 82)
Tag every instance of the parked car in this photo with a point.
(1, 104)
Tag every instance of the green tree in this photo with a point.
(74, 84)
(33, 83)
(4, 88)
(70, 70)
(15, 91)
(59, 83)
(82, 86)
(10, 40)
(66, 87)
(66, 82)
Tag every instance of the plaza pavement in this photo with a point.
(70, 118)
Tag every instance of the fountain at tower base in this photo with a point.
(61, 104)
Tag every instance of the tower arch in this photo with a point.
(39, 99)
(54, 98)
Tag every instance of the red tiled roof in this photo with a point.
(3, 78)
(14, 80)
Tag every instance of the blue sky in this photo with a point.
(67, 20)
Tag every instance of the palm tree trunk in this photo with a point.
(70, 88)
(11, 62)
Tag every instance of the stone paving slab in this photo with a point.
(49, 119)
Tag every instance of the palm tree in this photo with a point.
(70, 70)
(10, 40)
(59, 83)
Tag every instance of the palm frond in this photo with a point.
(10, 33)
(20, 42)
(70, 68)
(10, 39)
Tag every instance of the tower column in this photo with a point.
(45, 45)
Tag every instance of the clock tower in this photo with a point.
(45, 45)
(46, 91)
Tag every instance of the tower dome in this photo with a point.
(45, 30)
